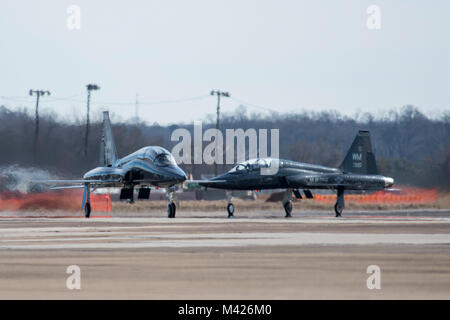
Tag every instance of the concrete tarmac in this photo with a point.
(256, 255)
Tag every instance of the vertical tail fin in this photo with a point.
(108, 156)
(360, 158)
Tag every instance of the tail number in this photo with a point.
(357, 157)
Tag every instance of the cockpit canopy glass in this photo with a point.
(253, 164)
(164, 160)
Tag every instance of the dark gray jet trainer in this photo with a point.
(149, 166)
(358, 171)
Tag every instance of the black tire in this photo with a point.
(230, 209)
(288, 208)
(171, 210)
(87, 210)
(174, 209)
(338, 209)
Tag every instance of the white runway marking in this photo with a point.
(92, 231)
(201, 220)
(182, 240)
(113, 233)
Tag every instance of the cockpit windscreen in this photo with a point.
(164, 160)
(253, 164)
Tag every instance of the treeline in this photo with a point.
(409, 146)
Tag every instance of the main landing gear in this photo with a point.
(288, 208)
(171, 206)
(340, 205)
(86, 203)
(287, 202)
(87, 210)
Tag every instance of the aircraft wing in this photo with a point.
(198, 184)
(67, 181)
(78, 183)
(205, 181)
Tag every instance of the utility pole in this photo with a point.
(38, 93)
(218, 94)
(89, 88)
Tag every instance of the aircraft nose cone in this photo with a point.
(180, 175)
(388, 182)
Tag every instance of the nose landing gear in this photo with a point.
(230, 209)
(230, 206)
(171, 210)
(171, 207)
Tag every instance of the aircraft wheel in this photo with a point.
(338, 209)
(171, 209)
(288, 208)
(87, 210)
(174, 209)
(230, 209)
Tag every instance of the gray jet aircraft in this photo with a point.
(358, 171)
(149, 166)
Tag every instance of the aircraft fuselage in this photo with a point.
(292, 174)
(150, 165)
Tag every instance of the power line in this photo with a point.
(156, 102)
(141, 103)
(254, 105)
(66, 98)
(17, 99)
(70, 98)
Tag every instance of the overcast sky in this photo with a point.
(286, 55)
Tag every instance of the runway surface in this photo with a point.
(256, 255)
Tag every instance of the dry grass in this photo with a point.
(443, 202)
